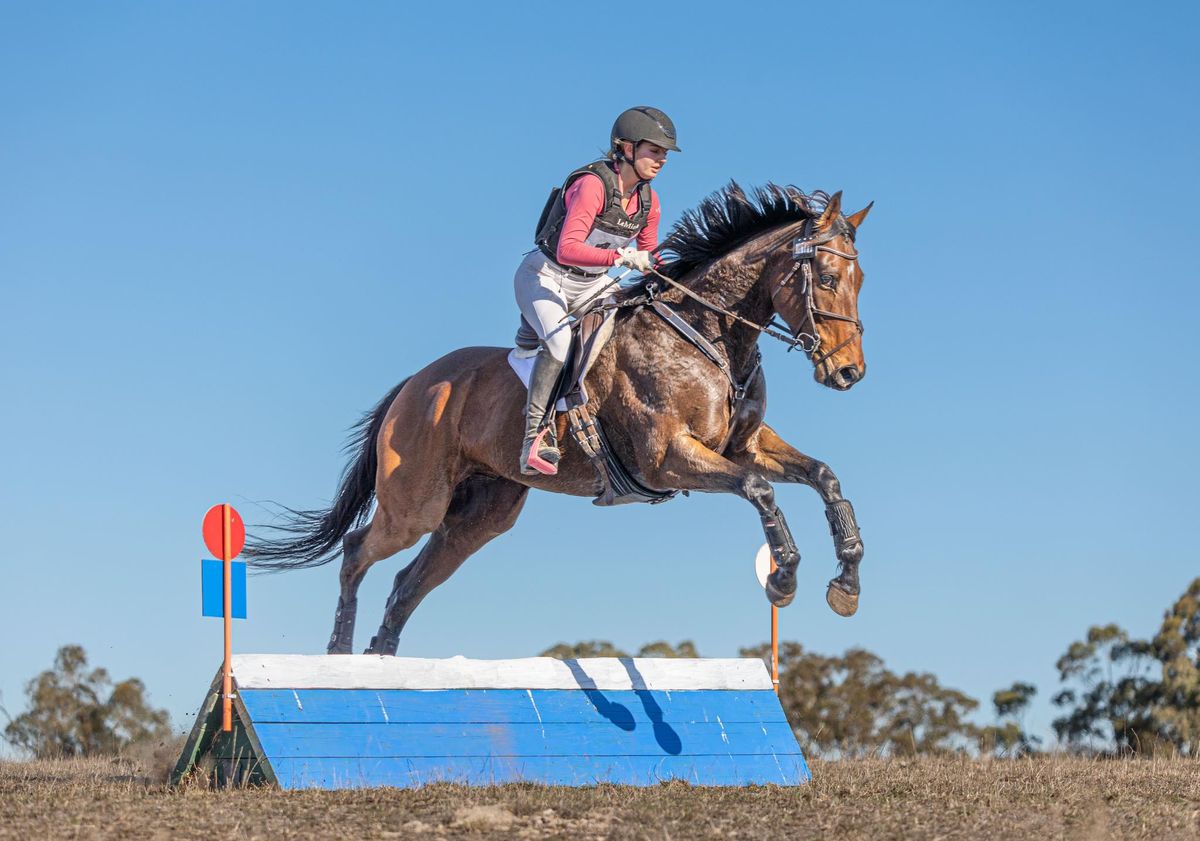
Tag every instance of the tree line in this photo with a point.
(75, 711)
(1118, 695)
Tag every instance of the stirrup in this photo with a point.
(533, 458)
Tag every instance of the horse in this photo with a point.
(439, 453)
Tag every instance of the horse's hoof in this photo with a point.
(843, 603)
(383, 645)
(778, 597)
(339, 648)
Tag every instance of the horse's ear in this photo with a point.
(856, 219)
(833, 209)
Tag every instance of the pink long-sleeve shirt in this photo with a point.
(584, 200)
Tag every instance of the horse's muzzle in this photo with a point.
(844, 377)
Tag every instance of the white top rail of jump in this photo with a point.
(368, 671)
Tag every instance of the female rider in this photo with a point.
(604, 215)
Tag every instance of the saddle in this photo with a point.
(590, 331)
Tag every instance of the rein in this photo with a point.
(762, 328)
(804, 253)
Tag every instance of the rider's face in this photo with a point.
(648, 158)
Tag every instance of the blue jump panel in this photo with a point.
(407, 772)
(510, 706)
(365, 737)
(531, 740)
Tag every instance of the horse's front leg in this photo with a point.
(689, 465)
(776, 459)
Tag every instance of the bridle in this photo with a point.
(806, 335)
(804, 257)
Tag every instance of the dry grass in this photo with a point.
(1046, 799)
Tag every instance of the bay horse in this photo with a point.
(439, 453)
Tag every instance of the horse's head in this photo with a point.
(814, 288)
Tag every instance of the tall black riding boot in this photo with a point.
(539, 451)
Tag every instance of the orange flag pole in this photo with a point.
(774, 639)
(227, 669)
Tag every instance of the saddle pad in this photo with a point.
(521, 361)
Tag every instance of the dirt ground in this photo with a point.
(1048, 798)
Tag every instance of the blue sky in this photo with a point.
(226, 230)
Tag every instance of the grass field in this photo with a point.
(1049, 798)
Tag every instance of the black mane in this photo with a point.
(728, 218)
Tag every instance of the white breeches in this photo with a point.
(545, 292)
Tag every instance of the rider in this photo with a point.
(605, 214)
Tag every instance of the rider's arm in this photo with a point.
(584, 201)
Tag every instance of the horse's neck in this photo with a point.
(734, 287)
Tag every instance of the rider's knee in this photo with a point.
(557, 344)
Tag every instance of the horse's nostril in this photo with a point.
(847, 375)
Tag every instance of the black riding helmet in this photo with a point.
(645, 123)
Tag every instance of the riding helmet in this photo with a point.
(645, 123)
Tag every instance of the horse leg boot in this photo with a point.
(341, 641)
(539, 450)
(842, 592)
(781, 584)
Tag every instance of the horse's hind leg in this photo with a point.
(360, 549)
(354, 566)
(483, 507)
(341, 641)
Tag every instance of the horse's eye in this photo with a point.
(829, 281)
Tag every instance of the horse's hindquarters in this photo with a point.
(463, 415)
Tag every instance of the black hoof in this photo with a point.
(778, 599)
(386, 645)
(781, 587)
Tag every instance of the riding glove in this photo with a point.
(641, 261)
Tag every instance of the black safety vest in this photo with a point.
(613, 227)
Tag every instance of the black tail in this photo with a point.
(313, 538)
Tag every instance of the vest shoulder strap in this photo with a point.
(603, 170)
(645, 197)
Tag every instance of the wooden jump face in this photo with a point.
(362, 721)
